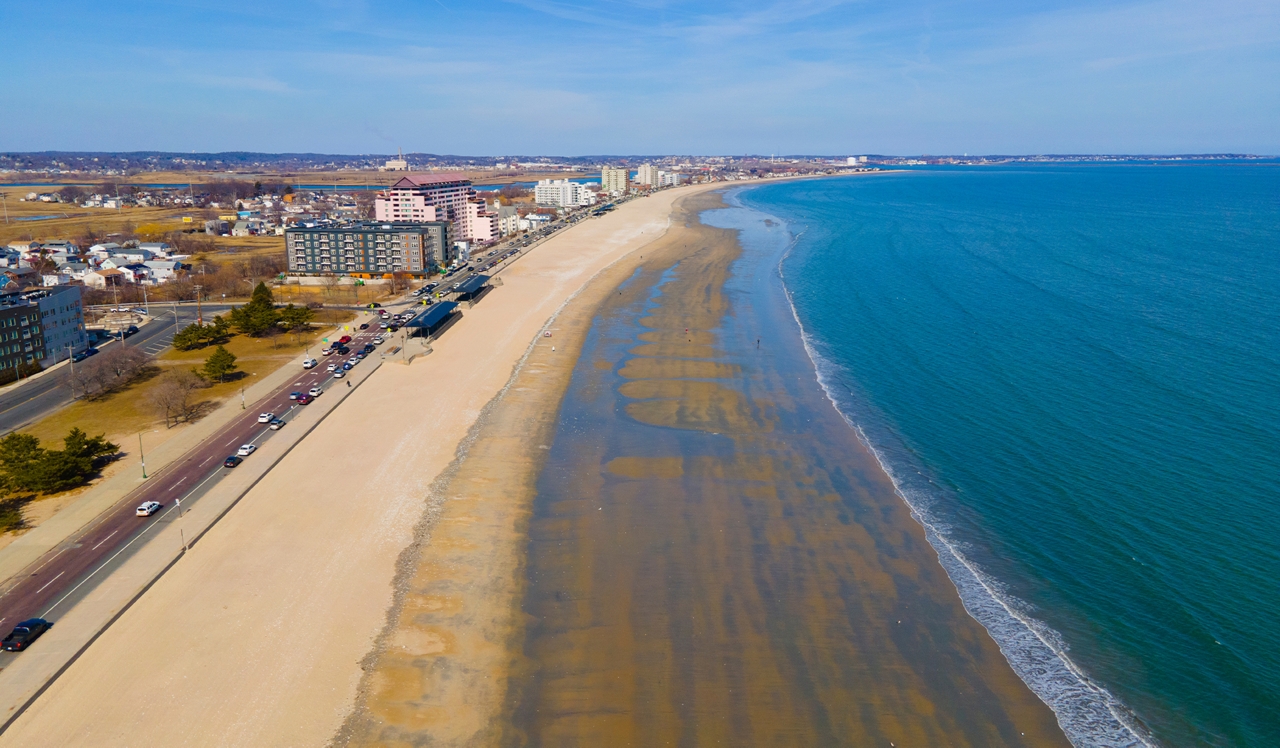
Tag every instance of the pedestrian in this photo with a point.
(348, 382)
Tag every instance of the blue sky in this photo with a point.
(644, 77)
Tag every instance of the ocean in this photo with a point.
(1072, 374)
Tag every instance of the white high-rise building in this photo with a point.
(615, 181)
(647, 174)
(668, 179)
(561, 193)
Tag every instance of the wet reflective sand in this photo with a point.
(715, 560)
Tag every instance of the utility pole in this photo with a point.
(5, 199)
(146, 304)
(199, 308)
(143, 456)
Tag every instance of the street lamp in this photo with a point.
(142, 455)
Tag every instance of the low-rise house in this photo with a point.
(162, 271)
(136, 254)
(9, 257)
(104, 278)
(16, 279)
(55, 279)
(157, 249)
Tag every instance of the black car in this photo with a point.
(343, 350)
(368, 348)
(130, 330)
(364, 325)
(232, 461)
(25, 633)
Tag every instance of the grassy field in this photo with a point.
(125, 412)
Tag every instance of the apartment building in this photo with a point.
(647, 174)
(436, 197)
(561, 193)
(61, 320)
(21, 337)
(615, 181)
(368, 248)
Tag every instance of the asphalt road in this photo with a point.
(28, 403)
(70, 568)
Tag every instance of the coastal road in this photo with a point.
(72, 567)
(27, 403)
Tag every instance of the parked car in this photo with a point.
(346, 366)
(339, 374)
(332, 367)
(232, 461)
(304, 398)
(245, 450)
(140, 310)
(343, 350)
(275, 424)
(147, 508)
(25, 633)
(309, 363)
(265, 417)
(326, 351)
(315, 391)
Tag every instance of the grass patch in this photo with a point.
(129, 410)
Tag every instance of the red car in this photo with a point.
(304, 398)
(344, 339)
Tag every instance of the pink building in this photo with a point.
(438, 197)
(482, 224)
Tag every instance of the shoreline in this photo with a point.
(1086, 710)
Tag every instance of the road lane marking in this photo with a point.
(51, 581)
(100, 542)
(179, 483)
(139, 536)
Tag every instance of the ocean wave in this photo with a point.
(1087, 712)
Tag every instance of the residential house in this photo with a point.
(104, 278)
(15, 279)
(162, 271)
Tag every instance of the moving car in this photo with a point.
(309, 363)
(344, 339)
(25, 633)
(130, 330)
(332, 367)
(295, 395)
(140, 310)
(265, 417)
(275, 424)
(147, 508)
(232, 461)
(314, 391)
(245, 450)
(364, 325)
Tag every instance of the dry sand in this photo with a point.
(256, 637)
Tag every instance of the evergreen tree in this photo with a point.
(259, 315)
(219, 364)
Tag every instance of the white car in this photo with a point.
(246, 449)
(339, 374)
(147, 508)
(314, 391)
(265, 417)
(309, 363)
(332, 367)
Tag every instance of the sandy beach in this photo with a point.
(256, 637)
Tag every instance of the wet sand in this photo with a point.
(673, 538)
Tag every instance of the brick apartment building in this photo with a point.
(369, 248)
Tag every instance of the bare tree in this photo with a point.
(330, 282)
(174, 396)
